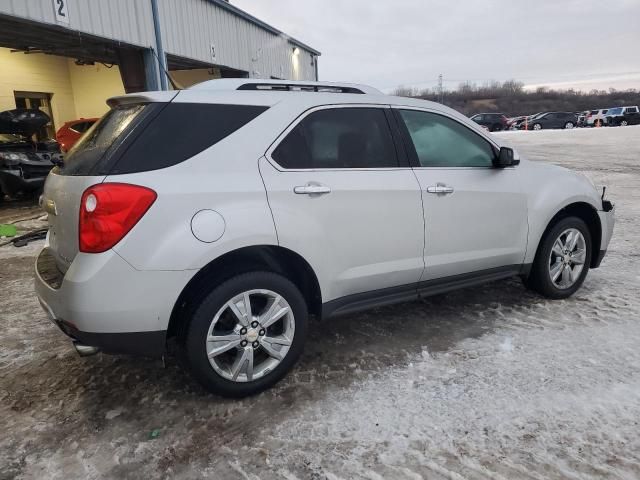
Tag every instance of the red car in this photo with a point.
(71, 131)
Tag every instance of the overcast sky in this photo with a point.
(582, 44)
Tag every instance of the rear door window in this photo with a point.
(339, 138)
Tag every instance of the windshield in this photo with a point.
(615, 111)
(91, 147)
(9, 138)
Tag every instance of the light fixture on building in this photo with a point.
(296, 51)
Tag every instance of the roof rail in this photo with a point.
(284, 86)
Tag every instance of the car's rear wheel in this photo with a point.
(537, 126)
(569, 125)
(246, 334)
(562, 260)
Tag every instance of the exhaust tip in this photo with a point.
(85, 350)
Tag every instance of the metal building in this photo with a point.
(191, 33)
(67, 56)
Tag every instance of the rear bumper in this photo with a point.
(102, 301)
(147, 344)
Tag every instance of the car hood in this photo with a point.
(23, 121)
(548, 170)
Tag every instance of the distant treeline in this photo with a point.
(512, 99)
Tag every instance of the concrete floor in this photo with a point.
(490, 382)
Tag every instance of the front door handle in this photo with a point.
(440, 188)
(311, 189)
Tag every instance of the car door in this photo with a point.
(549, 120)
(342, 199)
(475, 214)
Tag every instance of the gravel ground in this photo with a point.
(490, 382)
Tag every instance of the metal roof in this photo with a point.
(256, 21)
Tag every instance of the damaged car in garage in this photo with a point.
(24, 163)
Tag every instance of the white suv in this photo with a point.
(597, 117)
(227, 214)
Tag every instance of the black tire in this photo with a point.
(569, 125)
(539, 279)
(496, 127)
(534, 126)
(194, 345)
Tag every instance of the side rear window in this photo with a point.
(180, 131)
(339, 138)
(139, 138)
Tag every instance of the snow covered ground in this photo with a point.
(492, 382)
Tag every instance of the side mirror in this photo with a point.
(506, 158)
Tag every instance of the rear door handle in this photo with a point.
(311, 189)
(440, 188)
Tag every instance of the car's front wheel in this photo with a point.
(537, 126)
(624, 123)
(562, 260)
(246, 334)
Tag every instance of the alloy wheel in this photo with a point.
(537, 126)
(567, 258)
(250, 335)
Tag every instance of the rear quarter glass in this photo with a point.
(156, 135)
(180, 131)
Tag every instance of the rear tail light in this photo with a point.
(108, 212)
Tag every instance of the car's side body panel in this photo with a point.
(481, 225)
(366, 234)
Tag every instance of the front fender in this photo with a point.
(551, 189)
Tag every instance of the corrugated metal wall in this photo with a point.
(128, 21)
(189, 29)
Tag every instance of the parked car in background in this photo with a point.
(513, 121)
(524, 122)
(623, 116)
(229, 232)
(494, 122)
(549, 120)
(24, 164)
(597, 117)
(582, 118)
(71, 131)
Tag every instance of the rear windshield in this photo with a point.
(86, 154)
(139, 138)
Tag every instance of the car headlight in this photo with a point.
(10, 158)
